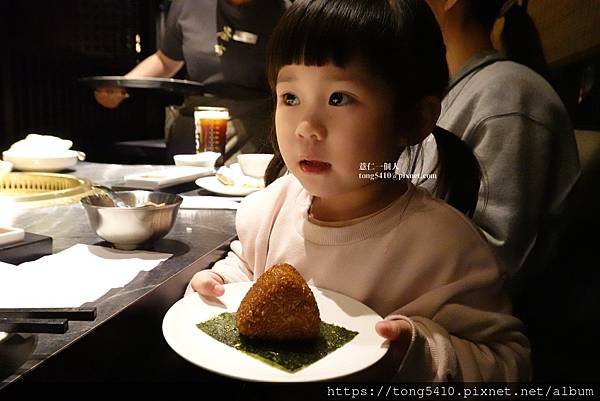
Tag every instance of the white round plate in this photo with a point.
(45, 163)
(191, 343)
(213, 184)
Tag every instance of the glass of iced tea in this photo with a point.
(211, 128)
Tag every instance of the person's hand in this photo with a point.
(395, 330)
(110, 97)
(399, 333)
(208, 284)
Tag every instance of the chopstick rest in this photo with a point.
(78, 314)
(23, 325)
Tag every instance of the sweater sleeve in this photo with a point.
(490, 348)
(254, 222)
(172, 40)
(463, 329)
(233, 267)
(515, 154)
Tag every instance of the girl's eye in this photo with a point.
(290, 99)
(339, 99)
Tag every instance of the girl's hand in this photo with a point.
(208, 283)
(399, 332)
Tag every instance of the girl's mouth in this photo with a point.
(314, 166)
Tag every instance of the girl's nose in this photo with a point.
(310, 128)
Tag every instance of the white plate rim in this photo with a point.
(42, 163)
(213, 184)
(179, 326)
(63, 155)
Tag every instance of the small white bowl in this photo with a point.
(204, 159)
(42, 162)
(5, 167)
(254, 164)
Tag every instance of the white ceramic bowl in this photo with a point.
(40, 162)
(5, 167)
(204, 159)
(254, 164)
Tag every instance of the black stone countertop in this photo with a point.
(129, 318)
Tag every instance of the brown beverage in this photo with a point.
(211, 129)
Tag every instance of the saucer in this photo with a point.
(212, 184)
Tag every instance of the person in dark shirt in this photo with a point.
(221, 43)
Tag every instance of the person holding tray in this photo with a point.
(222, 44)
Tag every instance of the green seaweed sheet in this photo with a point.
(290, 357)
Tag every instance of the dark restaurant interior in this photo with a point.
(67, 41)
(51, 45)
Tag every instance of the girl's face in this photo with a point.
(331, 124)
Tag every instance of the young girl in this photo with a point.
(357, 82)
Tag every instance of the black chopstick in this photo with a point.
(21, 325)
(79, 314)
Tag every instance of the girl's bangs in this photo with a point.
(350, 28)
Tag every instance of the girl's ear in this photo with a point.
(426, 115)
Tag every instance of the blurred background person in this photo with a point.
(516, 124)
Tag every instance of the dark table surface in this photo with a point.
(125, 341)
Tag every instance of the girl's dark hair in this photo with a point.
(520, 38)
(401, 43)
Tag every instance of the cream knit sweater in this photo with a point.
(418, 260)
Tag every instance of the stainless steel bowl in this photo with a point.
(140, 223)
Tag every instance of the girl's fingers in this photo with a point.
(218, 290)
(206, 284)
(394, 330)
(386, 330)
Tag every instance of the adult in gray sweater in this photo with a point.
(513, 120)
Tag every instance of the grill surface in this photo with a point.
(43, 188)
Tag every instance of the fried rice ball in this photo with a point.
(279, 306)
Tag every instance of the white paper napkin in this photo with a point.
(80, 274)
(158, 179)
(209, 202)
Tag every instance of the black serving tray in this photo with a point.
(181, 86)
